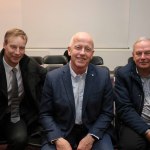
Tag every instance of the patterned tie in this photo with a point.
(15, 117)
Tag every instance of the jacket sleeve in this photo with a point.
(105, 117)
(125, 103)
(46, 112)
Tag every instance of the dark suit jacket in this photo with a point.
(57, 111)
(130, 98)
(33, 76)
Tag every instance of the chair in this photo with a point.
(97, 60)
(38, 59)
(54, 61)
(130, 59)
(66, 54)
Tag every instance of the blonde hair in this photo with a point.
(14, 33)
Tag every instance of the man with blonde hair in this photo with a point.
(20, 90)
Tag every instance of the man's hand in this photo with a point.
(86, 143)
(147, 134)
(62, 144)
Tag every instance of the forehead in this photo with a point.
(16, 39)
(85, 40)
(142, 45)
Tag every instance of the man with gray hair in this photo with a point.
(132, 89)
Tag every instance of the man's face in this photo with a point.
(141, 55)
(14, 50)
(81, 52)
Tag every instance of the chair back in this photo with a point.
(97, 60)
(38, 59)
(54, 61)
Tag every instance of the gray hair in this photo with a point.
(143, 38)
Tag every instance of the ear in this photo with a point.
(132, 54)
(4, 45)
(69, 51)
(92, 54)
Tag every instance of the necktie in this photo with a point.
(15, 117)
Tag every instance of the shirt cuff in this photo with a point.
(53, 141)
(94, 136)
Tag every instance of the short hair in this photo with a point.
(141, 39)
(77, 34)
(14, 33)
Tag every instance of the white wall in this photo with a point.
(49, 24)
(139, 22)
(10, 16)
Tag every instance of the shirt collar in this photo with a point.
(73, 74)
(7, 67)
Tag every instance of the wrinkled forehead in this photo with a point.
(86, 40)
(141, 45)
(15, 40)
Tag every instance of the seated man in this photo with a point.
(20, 90)
(77, 102)
(132, 89)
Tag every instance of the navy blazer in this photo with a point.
(57, 110)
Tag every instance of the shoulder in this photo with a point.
(30, 65)
(59, 71)
(125, 70)
(98, 69)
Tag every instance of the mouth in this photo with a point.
(81, 59)
(144, 63)
(16, 58)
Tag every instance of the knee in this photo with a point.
(132, 145)
(19, 138)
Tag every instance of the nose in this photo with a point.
(17, 51)
(143, 55)
(82, 51)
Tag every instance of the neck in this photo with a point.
(144, 72)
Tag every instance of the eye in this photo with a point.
(78, 47)
(138, 53)
(88, 49)
(147, 53)
(13, 47)
(21, 48)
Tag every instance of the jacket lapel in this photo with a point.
(68, 86)
(88, 86)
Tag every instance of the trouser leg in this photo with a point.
(16, 135)
(130, 140)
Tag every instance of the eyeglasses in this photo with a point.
(87, 49)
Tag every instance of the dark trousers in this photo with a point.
(14, 133)
(79, 132)
(130, 140)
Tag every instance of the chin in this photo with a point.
(15, 62)
(144, 67)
